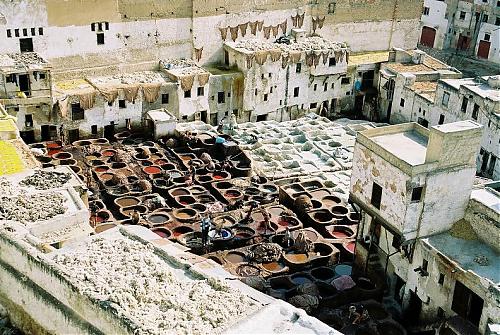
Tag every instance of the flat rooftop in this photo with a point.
(479, 87)
(410, 146)
(368, 58)
(19, 62)
(315, 43)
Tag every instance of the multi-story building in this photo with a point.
(470, 26)
(427, 233)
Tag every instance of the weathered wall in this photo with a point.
(436, 19)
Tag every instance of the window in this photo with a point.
(298, 67)
(92, 27)
(345, 81)
(33, 32)
(331, 7)
(467, 304)
(333, 85)
(16, 32)
(402, 102)
(440, 313)
(331, 61)
(462, 15)
(487, 37)
(11, 78)
(77, 112)
(313, 105)
(315, 87)
(99, 26)
(256, 92)
(93, 129)
(122, 104)
(40, 31)
(187, 94)
(269, 75)
(265, 97)
(184, 118)
(25, 32)
(416, 194)
(262, 76)
(9, 33)
(262, 117)
(28, 120)
(164, 98)
(325, 87)
(465, 102)
(446, 99)
(228, 94)
(221, 97)
(497, 21)
(100, 38)
(475, 111)
(41, 75)
(376, 195)
(106, 25)
(423, 122)
(441, 119)
(485, 18)
(26, 44)
(201, 91)
(441, 279)
(425, 264)
(296, 92)
(426, 10)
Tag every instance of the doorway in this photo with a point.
(483, 51)
(24, 84)
(428, 36)
(358, 104)
(28, 136)
(109, 131)
(26, 44)
(45, 133)
(463, 42)
(412, 313)
(203, 116)
(467, 304)
(73, 135)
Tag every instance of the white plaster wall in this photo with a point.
(494, 31)
(190, 106)
(436, 19)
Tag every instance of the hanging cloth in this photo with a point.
(300, 20)
(284, 61)
(325, 55)
(249, 59)
(310, 59)
(243, 28)
(261, 57)
(253, 27)
(151, 92)
(63, 106)
(110, 95)
(275, 54)
(223, 33)
(283, 26)
(321, 22)
(275, 30)
(316, 58)
(314, 24)
(295, 56)
(187, 82)
(131, 92)
(337, 56)
(203, 78)
(267, 32)
(234, 33)
(197, 53)
(294, 20)
(260, 25)
(87, 100)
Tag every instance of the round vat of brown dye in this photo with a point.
(62, 155)
(118, 165)
(178, 191)
(127, 211)
(247, 270)
(223, 185)
(322, 249)
(197, 190)
(81, 143)
(161, 162)
(323, 273)
(243, 233)
(339, 211)
(168, 167)
(101, 168)
(185, 200)
(341, 232)
(221, 175)
(178, 231)
(205, 198)
(96, 162)
(235, 257)
(141, 156)
(106, 176)
(93, 156)
(316, 204)
(153, 169)
(274, 267)
(158, 218)
(225, 221)
(296, 260)
(321, 216)
(44, 159)
(187, 157)
(75, 168)
(70, 161)
(100, 141)
(200, 208)
(205, 179)
(331, 200)
(185, 214)
(103, 227)
(288, 221)
(102, 216)
(162, 232)
(233, 195)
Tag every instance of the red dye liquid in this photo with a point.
(160, 162)
(152, 170)
(339, 234)
(108, 153)
(218, 177)
(53, 151)
(183, 203)
(283, 223)
(161, 233)
(52, 145)
(98, 219)
(231, 194)
(350, 246)
(100, 169)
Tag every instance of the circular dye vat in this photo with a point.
(246, 270)
(184, 214)
(158, 218)
(108, 153)
(223, 185)
(62, 155)
(350, 247)
(181, 230)
(152, 169)
(341, 232)
(161, 162)
(162, 232)
(235, 257)
(232, 194)
(296, 258)
(343, 270)
(52, 145)
(179, 191)
(300, 279)
(220, 176)
(322, 216)
(106, 176)
(273, 266)
(339, 210)
(323, 273)
(103, 227)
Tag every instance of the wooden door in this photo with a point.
(484, 49)
(428, 36)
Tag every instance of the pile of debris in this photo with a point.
(44, 180)
(27, 208)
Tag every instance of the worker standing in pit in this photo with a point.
(205, 227)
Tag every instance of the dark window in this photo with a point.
(77, 112)
(298, 67)
(446, 99)
(228, 94)
(262, 117)
(16, 32)
(40, 31)
(187, 94)
(11, 78)
(256, 91)
(441, 279)
(425, 264)
(462, 15)
(331, 61)
(467, 304)
(92, 27)
(475, 111)
(497, 21)
(487, 37)
(440, 313)
(345, 81)
(441, 119)
(226, 57)
(416, 193)
(376, 195)
(99, 26)
(269, 75)
(313, 105)
(271, 90)
(93, 129)
(315, 87)
(221, 97)
(25, 32)
(9, 33)
(325, 87)
(106, 25)
(184, 117)
(426, 10)
(331, 7)
(465, 102)
(26, 44)
(164, 98)
(485, 18)
(262, 76)
(265, 97)
(33, 32)
(122, 104)
(201, 91)
(296, 92)
(28, 120)
(41, 75)
(402, 102)
(100, 38)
